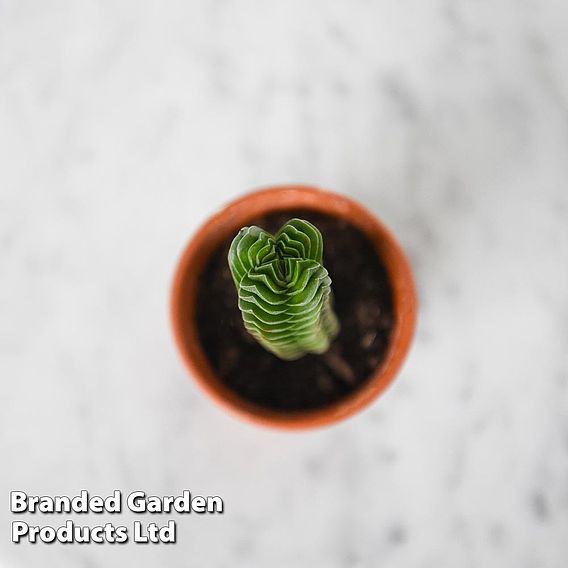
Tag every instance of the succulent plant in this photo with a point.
(284, 290)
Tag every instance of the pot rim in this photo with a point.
(228, 220)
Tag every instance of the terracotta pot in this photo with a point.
(225, 224)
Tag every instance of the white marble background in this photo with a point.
(124, 124)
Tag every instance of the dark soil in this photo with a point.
(362, 302)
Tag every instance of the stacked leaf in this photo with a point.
(284, 290)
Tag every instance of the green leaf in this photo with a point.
(284, 290)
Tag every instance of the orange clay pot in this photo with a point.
(225, 224)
